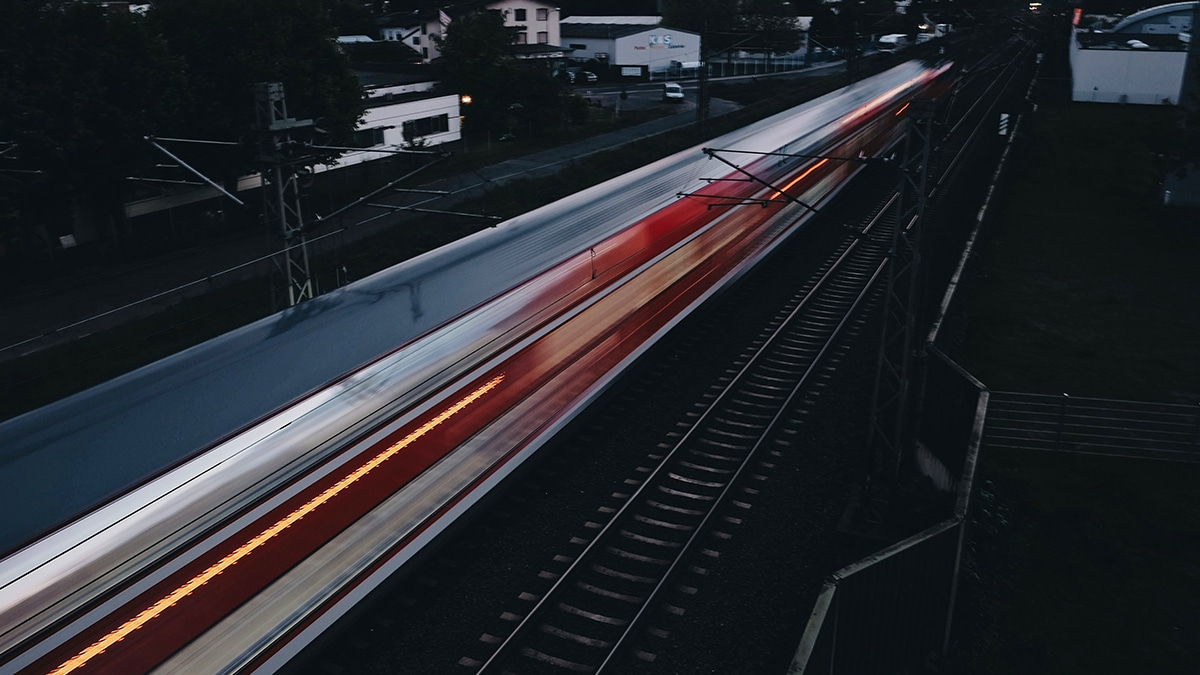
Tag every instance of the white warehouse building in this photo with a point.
(1140, 60)
(629, 46)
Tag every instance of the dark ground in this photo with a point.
(1087, 285)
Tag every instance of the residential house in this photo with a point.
(536, 25)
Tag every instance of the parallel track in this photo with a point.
(594, 609)
(597, 608)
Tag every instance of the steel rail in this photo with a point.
(842, 260)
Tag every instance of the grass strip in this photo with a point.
(1088, 285)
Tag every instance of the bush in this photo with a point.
(577, 109)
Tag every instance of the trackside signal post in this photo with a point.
(283, 155)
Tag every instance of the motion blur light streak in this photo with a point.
(162, 577)
(797, 179)
(266, 535)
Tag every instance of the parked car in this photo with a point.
(672, 92)
(587, 75)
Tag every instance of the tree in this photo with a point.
(714, 20)
(835, 30)
(79, 87)
(230, 45)
(914, 19)
(476, 51)
(771, 25)
(351, 18)
(505, 93)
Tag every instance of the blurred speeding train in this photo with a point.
(282, 471)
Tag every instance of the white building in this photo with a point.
(1140, 60)
(400, 116)
(630, 46)
(392, 110)
(1171, 19)
(536, 25)
(417, 30)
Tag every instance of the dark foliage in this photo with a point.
(506, 94)
(230, 45)
(81, 87)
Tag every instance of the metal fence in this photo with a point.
(889, 612)
(892, 609)
(1095, 426)
(739, 66)
(757, 66)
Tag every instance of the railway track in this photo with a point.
(606, 602)
(626, 570)
(609, 596)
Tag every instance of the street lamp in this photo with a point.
(464, 99)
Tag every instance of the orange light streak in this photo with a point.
(266, 535)
(902, 109)
(799, 178)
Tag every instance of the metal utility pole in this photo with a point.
(893, 422)
(282, 153)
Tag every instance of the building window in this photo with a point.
(367, 138)
(543, 37)
(522, 38)
(416, 39)
(543, 15)
(425, 52)
(426, 126)
(576, 45)
(518, 15)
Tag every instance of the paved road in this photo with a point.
(52, 314)
(96, 301)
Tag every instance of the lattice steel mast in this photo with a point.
(283, 153)
(892, 428)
